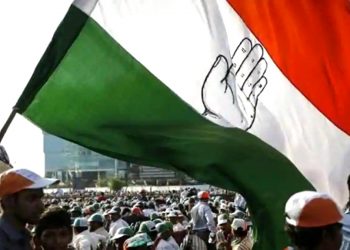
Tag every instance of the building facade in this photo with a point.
(79, 167)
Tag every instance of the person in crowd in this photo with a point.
(21, 193)
(101, 197)
(223, 209)
(173, 217)
(242, 239)
(75, 212)
(165, 239)
(143, 195)
(85, 240)
(149, 209)
(313, 221)
(192, 241)
(224, 235)
(202, 219)
(179, 230)
(54, 230)
(125, 211)
(346, 223)
(148, 227)
(96, 222)
(120, 237)
(240, 203)
(135, 216)
(116, 220)
(183, 211)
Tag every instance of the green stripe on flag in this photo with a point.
(102, 98)
(63, 38)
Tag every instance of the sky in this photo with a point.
(26, 29)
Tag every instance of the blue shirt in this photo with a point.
(346, 232)
(12, 238)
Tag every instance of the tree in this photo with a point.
(115, 184)
(102, 182)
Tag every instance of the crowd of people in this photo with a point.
(188, 219)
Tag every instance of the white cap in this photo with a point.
(223, 206)
(222, 219)
(15, 180)
(312, 209)
(239, 223)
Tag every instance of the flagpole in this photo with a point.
(7, 123)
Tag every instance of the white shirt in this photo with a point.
(87, 240)
(178, 227)
(169, 244)
(147, 212)
(116, 225)
(102, 231)
(202, 217)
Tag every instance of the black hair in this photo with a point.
(54, 217)
(240, 232)
(309, 238)
(125, 210)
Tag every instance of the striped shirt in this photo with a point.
(346, 232)
(242, 244)
(193, 242)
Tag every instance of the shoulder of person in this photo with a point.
(4, 240)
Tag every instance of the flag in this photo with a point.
(249, 96)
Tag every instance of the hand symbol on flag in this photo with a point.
(232, 87)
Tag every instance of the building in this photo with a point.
(80, 167)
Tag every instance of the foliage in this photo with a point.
(102, 182)
(115, 183)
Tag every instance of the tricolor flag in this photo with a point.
(251, 96)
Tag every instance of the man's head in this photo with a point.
(172, 217)
(54, 231)
(165, 230)
(114, 213)
(223, 223)
(136, 211)
(95, 222)
(143, 192)
(148, 227)
(313, 221)
(76, 212)
(191, 203)
(239, 228)
(121, 236)
(80, 225)
(223, 208)
(21, 192)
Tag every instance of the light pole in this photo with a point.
(115, 168)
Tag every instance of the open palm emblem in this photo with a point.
(232, 86)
